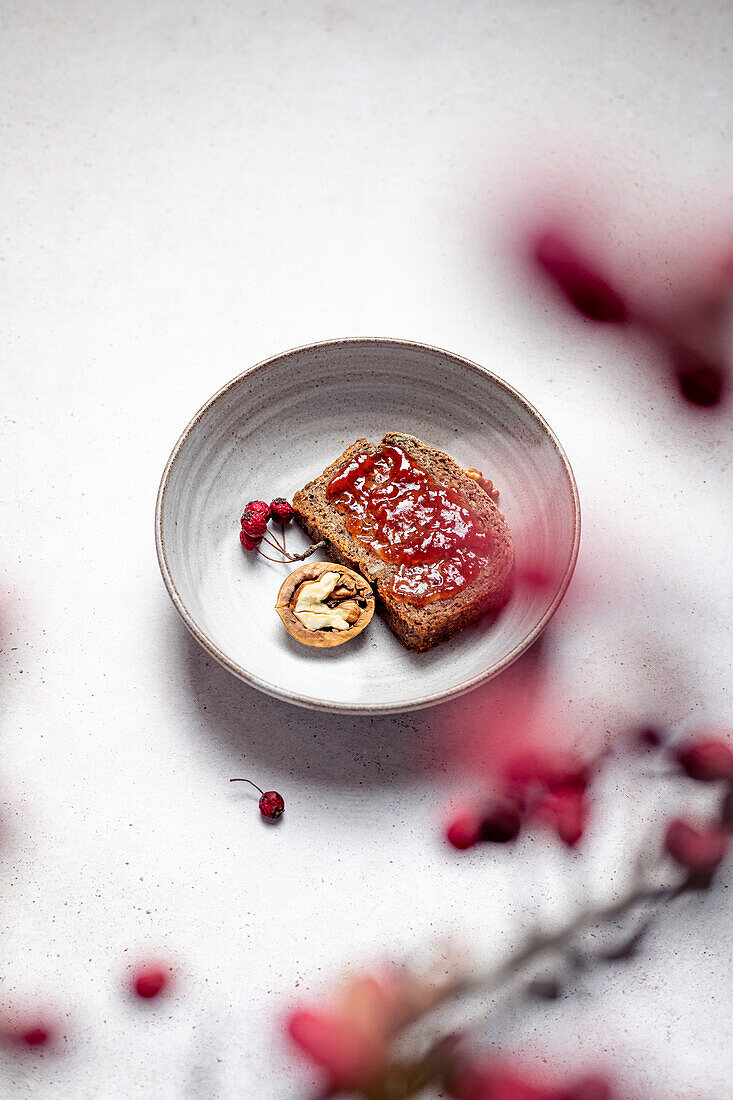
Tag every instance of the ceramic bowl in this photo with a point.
(278, 425)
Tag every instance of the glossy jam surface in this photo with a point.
(408, 519)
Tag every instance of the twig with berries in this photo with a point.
(255, 531)
(374, 1069)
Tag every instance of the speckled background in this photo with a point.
(189, 188)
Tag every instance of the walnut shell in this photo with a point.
(352, 590)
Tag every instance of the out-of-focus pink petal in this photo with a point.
(349, 1055)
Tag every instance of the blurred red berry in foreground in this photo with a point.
(584, 287)
(150, 981)
(701, 381)
(464, 831)
(707, 759)
(699, 850)
(36, 1036)
(650, 737)
(495, 1080)
(500, 823)
(349, 1038)
(536, 785)
(34, 1033)
(690, 328)
(492, 1081)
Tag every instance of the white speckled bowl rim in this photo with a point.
(365, 708)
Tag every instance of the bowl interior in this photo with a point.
(277, 426)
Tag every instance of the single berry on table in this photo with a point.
(272, 804)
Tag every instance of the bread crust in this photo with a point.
(418, 628)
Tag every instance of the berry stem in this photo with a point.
(249, 780)
(278, 561)
(307, 553)
(290, 557)
(273, 542)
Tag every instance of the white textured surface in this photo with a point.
(189, 188)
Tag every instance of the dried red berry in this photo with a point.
(587, 290)
(272, 804)
(258, 508)
(281, 510)
(247, 542)
(707, 759)
(500, 823)
(149, 981)
(254, 525)
(464, 831)
(699, 850)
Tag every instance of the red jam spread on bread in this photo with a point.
(405, 517)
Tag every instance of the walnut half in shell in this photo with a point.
(323, 604)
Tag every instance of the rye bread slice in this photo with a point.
(416, 627)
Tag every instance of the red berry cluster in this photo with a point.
(254, 529)
(254, 522)
(550, 790)
(537, 787)
(700, 848)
